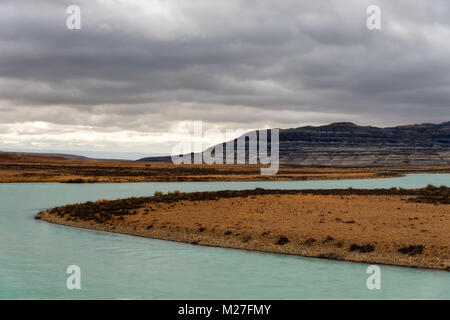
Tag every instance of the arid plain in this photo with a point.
(20, 167)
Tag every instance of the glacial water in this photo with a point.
(34, 254)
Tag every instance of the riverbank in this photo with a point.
(383, 226)
(53, 168)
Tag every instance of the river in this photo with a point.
(34, 254)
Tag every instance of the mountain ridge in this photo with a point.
(348, 144)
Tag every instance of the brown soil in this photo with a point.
(384, 226)
(34, 168)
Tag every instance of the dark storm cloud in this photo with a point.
(147, 65)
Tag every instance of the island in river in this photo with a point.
(405, 227)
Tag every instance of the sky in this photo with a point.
(139, 70)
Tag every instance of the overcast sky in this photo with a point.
(138, 70)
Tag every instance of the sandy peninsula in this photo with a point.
(384, 226)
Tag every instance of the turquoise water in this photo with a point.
(34, 254)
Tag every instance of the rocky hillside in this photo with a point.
(347, 144)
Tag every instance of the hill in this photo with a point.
(347, 144)
(31, 156)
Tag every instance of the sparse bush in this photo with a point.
(309, 241)
(366, 248)
(411, 250)
(282, 240)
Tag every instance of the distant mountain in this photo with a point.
(85, 155)
(7, 155)
(347, 144)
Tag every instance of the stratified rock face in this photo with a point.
(347, 144)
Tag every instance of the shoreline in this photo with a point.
(229, 179)
(236, 222)
(214, 177)
(399, 174)
(320, 255)
(22, 169)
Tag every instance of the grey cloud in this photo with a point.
(229, 63)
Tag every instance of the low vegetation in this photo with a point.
(412, 250)
(104, 210)
(365, 248)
